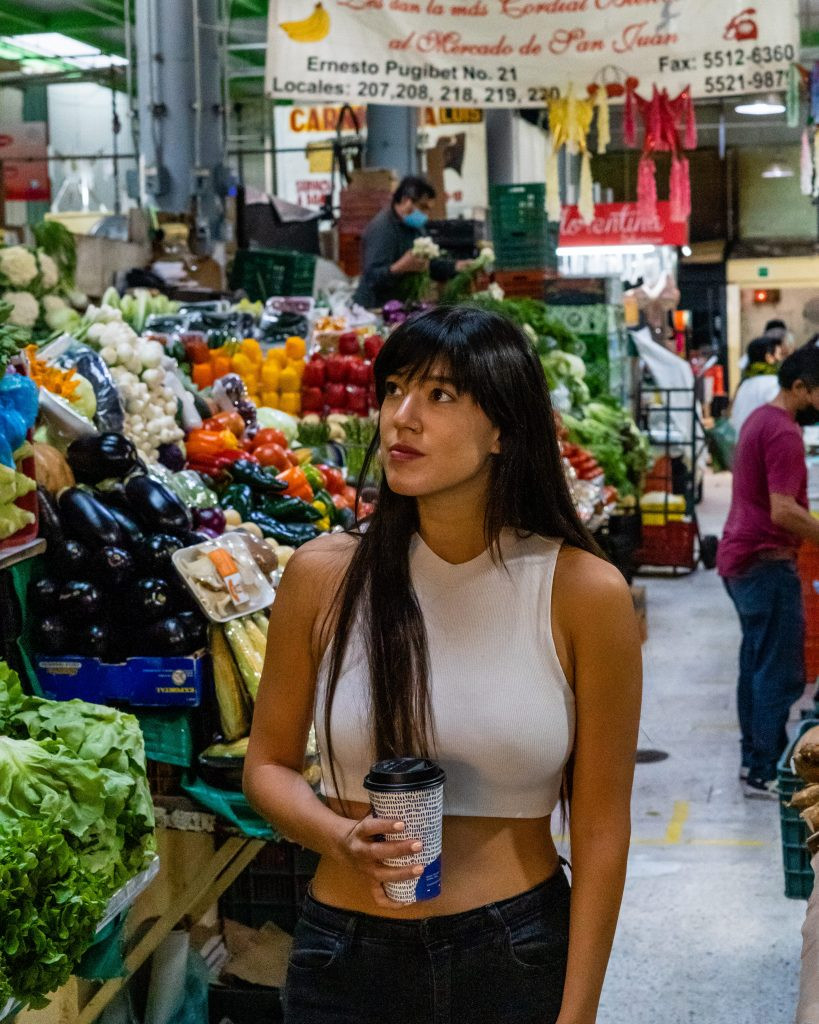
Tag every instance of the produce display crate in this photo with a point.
(265, 272)
(799, 877)
(272, 888)
(164, 779)
(671, 546)
(168, 736)
(349, 252)
(526, 283)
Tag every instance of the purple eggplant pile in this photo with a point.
(110, 590)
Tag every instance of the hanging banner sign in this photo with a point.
(23, 152)
(520, 53)
(621, 224)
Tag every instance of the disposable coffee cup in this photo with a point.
(411, 789)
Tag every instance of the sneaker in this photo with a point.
(744, 772)
(757, 789)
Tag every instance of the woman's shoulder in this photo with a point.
(321, 563)
(585, 580)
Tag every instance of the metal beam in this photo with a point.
(248, 8)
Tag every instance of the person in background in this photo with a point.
(386, 245)
(779, 330)
(759, 384)
(768, 519)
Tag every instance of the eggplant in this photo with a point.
(113, 566)
(93, 640)
(51, 635)
(168, 637)
(72, 560)
(112, 494)
(50, 526)
(132, 535)
(156, 506)
(172, 456)
(96, 457)
(210, 519)
(42, 595)
(78, 602)
(148, 599)
(196, 627)
(87, 519)
(154, 553)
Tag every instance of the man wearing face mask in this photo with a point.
(768, 520)
(387, 255)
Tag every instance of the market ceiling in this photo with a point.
(100, 24)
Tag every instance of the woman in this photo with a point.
(471, 621)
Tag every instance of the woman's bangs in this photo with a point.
(415, 350)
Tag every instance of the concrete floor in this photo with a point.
(706, 934)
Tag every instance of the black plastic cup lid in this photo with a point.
(401, 774)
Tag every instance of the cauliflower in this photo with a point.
(52, 303)
(18, 266)
(426, 248)
(495, 291)
(26, 309)
(49, 272)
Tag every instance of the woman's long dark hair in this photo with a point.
(491, 359)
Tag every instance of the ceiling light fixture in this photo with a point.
(778, 169)
(770, 104)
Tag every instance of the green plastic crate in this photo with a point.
(262, 273)
(799, 877)
(168, 737)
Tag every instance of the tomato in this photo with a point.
(272, 455)
(231, 421)
(269, 436)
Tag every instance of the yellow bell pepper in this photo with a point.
(289, 380)
(295, 347)
(252, 349)
(322, 524)
(241, 365)
(278, 355)
(270, 375)
(297, 366)
(290, 402)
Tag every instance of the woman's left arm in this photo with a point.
(598, 621)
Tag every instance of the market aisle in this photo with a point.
(706, 934)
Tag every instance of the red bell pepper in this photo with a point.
(348, 344)
(360, 373)
(336, 396)
(373, 344)
(336, 369)
(312, 400)
(315, 373)
(334, 477)
(358, 401)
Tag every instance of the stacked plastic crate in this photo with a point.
(523, 239)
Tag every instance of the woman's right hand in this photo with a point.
(364, 850)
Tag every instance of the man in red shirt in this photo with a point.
(768, 520)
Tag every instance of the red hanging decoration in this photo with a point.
(680, 189)
(647, 188)
(663, 118)
(690, 139)
(630, 117)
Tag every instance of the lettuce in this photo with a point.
(49, 909)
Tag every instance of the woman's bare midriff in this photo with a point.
(484, 860)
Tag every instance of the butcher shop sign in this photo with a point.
(521, 53)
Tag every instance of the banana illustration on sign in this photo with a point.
(309, 30)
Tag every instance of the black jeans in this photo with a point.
(504, 963)
(768, 600)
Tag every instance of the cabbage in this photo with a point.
(275, 419)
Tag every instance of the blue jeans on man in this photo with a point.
(768, 600)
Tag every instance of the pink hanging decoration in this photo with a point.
(647, 188)
(629, 118)
(680, 190)
(655, 119)
(690, 140)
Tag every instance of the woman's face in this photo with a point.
(434, 439)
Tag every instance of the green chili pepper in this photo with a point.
(290, 534)
(289, 510)
(239, 497)
(252, 474)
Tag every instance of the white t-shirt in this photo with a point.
(751, 395)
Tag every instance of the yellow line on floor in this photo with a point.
(673, 833)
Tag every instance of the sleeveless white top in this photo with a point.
(503, 711)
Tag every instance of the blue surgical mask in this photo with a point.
(416, 219)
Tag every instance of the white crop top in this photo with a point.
(504, 713)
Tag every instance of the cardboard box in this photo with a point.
(142, 682)
(374, 179)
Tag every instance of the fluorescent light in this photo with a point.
(778, 169)
(770, 104)
(55, 45)
(605, 250)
